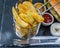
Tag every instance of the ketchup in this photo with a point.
(47, 18)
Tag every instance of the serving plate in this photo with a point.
(8, 33)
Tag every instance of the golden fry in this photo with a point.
(37, 17)
(27, 18)
(22, 8)
(29, 6)
(21, 31)
(34, 24)
(17, 18)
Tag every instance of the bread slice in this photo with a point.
(57, 7)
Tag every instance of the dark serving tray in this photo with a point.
(6, 23)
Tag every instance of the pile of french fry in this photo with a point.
(26, 16)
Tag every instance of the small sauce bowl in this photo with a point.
(55, 29)
(38, 5)
(48, 19)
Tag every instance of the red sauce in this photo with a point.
(47, 18)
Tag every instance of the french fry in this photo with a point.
(34, 24)
(30, 19)
(23, 17)
(37, 17)
(27, 18)
(29, 26)
(22, 8)
(29, 6)
(21, 31)
(17, 18)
